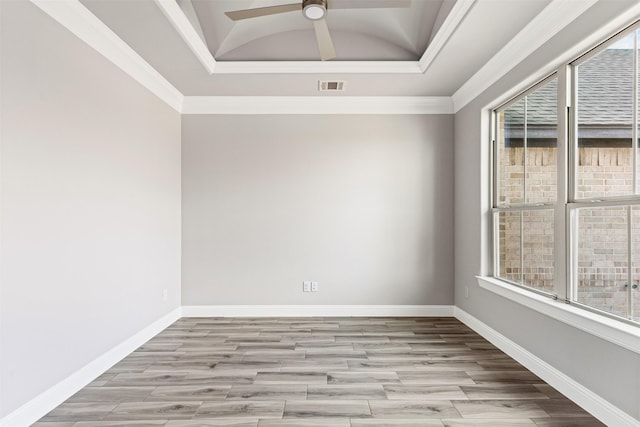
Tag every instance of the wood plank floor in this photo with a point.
(335, 372)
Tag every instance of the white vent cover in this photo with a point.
(326, 86)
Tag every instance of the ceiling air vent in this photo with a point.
(330, 86)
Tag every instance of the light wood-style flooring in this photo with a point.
(334, 372)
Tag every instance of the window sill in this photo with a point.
(619, 333)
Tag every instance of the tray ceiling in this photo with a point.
(423, 50)
(380, 34)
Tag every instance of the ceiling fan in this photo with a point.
(316, 11)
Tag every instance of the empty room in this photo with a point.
(340, 213)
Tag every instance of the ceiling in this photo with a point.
(428, 49)
(389, 34)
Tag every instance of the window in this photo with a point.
(566, 193)
(525, 149)
(605, 216)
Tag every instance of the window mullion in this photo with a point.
(522, 247)
(494, 191)
(630, 264)
(634, 115)
(496, 248)
(525, 157)
(634, 148)
(495, 165)
(571, 217)
(525, 199)
(561, 268)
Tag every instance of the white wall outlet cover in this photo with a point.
(306, 286)
(314, 286)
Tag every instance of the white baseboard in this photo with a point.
(317, 310)
(42, 404)
(591, 402)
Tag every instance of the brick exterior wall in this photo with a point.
(602, 255)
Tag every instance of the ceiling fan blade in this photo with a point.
(325, 44)
(238, 15)
(369, 4)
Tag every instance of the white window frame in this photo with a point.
(557, 206)
(574, 203)
(566, 205)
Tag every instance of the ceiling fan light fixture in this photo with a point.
(314, 9)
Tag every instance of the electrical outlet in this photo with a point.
(165, 294)
(314, 286)
(306, 286)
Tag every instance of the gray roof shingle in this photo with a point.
(605, 94)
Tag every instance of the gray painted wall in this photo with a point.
(608, 370)
(90, 205)
(361, 204)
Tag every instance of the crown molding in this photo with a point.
(553, 18)
(72, 15)
(188, 32)
(318, 67)
(317, 105)
(454, 18)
